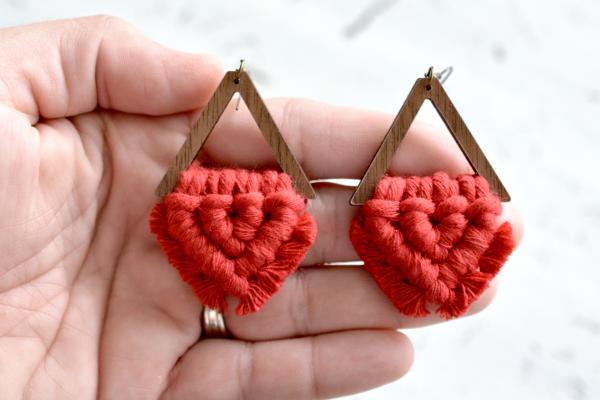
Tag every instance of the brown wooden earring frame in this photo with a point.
(426, 88)
(235, 82)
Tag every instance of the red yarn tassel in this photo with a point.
(432, 241)
(233, 232)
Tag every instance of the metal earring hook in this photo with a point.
(429, 74)
(441, 76)
(444, 74)
(240, 69)
(237, 80)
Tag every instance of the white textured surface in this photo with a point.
(526, 81)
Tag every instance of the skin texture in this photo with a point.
(90, 118)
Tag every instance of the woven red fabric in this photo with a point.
(233, 232)
(432, 241)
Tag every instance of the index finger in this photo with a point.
(73, 66)
(332, 141)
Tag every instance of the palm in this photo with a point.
(89, 305)
(83, 237)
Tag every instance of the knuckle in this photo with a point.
(106, 24)
(107, 20)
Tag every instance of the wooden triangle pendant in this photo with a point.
(235, 82)
(427, 88)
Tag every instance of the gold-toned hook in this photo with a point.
(441, 76)
(429, 74)
(240, 68)
(238, 72)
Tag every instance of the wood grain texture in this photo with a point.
(241, 83)
(423, 89)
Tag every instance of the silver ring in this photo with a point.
(213, 324)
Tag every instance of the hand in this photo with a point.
(91, 115)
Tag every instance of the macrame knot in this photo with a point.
(233, 232)
(432, 240)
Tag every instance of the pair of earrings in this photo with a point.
(427, 241)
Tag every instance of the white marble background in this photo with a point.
(527, 81)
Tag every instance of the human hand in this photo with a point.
(91, 115)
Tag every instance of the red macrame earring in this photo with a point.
(233, 231)
(431, 241)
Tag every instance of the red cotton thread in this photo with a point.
(233, 232)
(432, 241)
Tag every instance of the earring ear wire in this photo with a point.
(239, 71)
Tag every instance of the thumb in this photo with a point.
(73, 66)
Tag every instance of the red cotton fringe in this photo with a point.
(233, 232)
(432, 241)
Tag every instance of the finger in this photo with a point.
(331, 208)
(332, 142)
(336, 142)
(307, 368)
(75, 65)
(318, 300)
